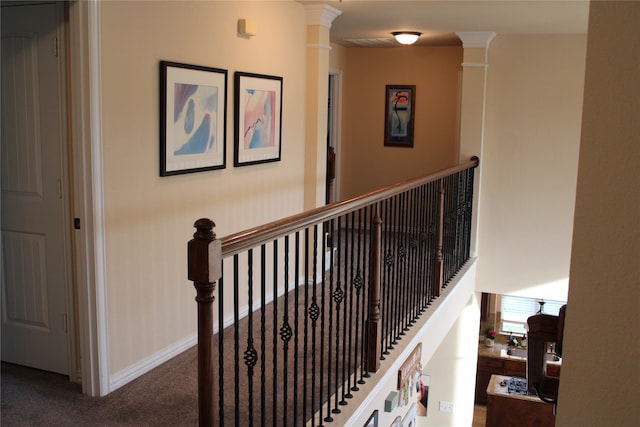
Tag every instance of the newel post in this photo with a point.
(439, 247)
(374, 327)
(205, 265)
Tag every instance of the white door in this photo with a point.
(35, 238)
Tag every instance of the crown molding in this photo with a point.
(321, 14)
(476, 39)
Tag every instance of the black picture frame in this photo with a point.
(399, 115)
(258, 118)
(373, 420)
(193, 118)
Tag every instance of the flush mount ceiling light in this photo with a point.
(406, 37)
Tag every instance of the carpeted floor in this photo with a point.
(165, 396)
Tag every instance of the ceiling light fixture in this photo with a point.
(406, 37)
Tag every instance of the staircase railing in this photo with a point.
(307, 306)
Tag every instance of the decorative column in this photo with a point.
(472, 111)
(319, 19)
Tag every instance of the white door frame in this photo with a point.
(86, 145)
(335, 131)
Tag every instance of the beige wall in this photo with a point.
(149, 219)
(366, 164)
(529, 166)
(600, 375)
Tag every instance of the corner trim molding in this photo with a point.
(320, 14)
(476, 39)
(318, 46)
(475, 65)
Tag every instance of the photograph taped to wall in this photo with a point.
(422, 394)
(399, 115)
(193, 118)
(258, 118)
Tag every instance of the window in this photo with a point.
(516, 311)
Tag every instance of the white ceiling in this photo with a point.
(438, 20)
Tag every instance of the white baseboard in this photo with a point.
(129, 374)
(136, 370)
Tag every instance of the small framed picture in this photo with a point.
(409, 419)
(193, 118)
(373, 420)
(399, 115)
(258, 118)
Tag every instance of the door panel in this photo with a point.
(34, 240)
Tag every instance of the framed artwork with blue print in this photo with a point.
(258, 118)
(399, 115)
(193, 118)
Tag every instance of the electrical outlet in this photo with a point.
(446, 406)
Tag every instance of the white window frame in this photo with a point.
(515, 310)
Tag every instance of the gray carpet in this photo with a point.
(165, 396)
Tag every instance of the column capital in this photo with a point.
(321, 14)
(476, 39)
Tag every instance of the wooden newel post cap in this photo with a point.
(204, 229)
(205, 253)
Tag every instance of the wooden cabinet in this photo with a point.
(553, 370)
(488, 366)
(515, 368)
(507, 411)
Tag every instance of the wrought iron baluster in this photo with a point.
(274, 384)
(250, 354)
(402, 261)
(423, 243)
(221, 375)
(236, 339)
(431, 237)
(386, 280)
(351, 302)
(411, 269)
(314, 312)
(285, 336)
(358, 283)
(338, 296)
(305, 340)
(332, 249)
(366, 275)
(346, 301)
(263, 307)
(296, 334)
(396, 289)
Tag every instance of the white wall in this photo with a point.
(529, 166)
(600, 375)
(453, 370)
(148, 219)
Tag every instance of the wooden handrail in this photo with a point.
(244, 240)
(206, 252)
